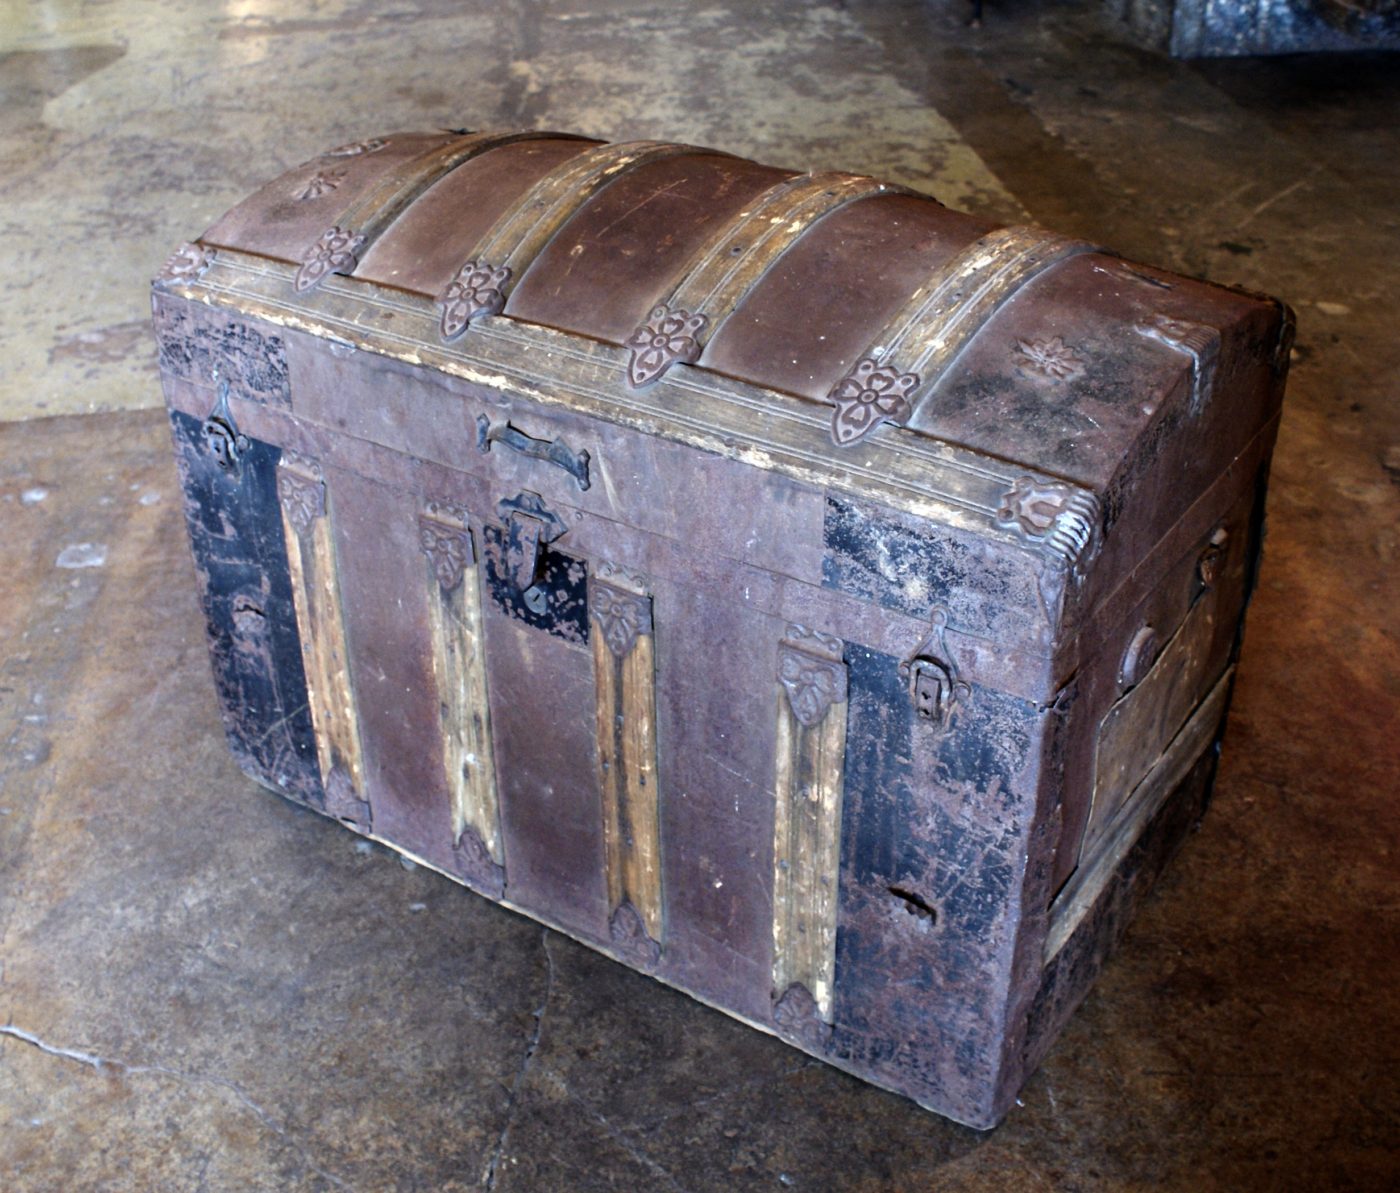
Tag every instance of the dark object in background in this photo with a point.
(818, 599)
(1234, 28)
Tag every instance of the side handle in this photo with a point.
(551, 451)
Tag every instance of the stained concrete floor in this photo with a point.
(202, 987)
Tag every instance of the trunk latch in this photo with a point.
(930, 689)
(529, 526)
(934, 686)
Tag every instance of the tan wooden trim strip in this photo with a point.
(625, 669)
(459, 667)
(341, 247)
(320, 623)
(1082, 891)
(910, 354)
(809, 785)
(483, 282)
(521, 233)
(733, 261)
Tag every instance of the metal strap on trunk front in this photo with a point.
(340, 247)
(482, 284)
(910, 353)
(728, 266)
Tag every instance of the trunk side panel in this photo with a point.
(235, 528)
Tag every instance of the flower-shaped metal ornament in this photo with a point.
(813, 685)
(322, 183)
(867, 396)
(335, 252)
(448, 548)
(622, 616)
(667, 337)
(1049, 358)
(478, 289)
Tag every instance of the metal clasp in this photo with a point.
(530, 524)
(931, 689)
(934, 686)
(221, 433)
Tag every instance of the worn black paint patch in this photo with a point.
(563, 581)
(878, 766)
(985, 748)
(235, 527)
(878, 558)
(254, 363)
(931, 815)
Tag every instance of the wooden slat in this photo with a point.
(741, 253)
(393, 193)
(913, 350)
(320, 623)
(735, 259)
(459, 667)
(341, 246)
(809, 786)
(625, 670)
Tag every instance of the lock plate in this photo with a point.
(527, 578)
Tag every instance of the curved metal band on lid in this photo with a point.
(339, 249)
(924, 337)
(732, 262)
(521, 233)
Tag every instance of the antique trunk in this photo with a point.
(818, 599)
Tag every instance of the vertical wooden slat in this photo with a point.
(625, 669)
(459, 667)
(316, 593)
(809, 785)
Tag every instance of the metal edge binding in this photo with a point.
(732, 262)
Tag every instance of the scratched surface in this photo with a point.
(275, 1010)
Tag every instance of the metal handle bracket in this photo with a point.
(551, 451)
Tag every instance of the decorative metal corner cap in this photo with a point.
(1061, 517)
(870, 394)
(629, 935)
(798, 1017)
(186, 264)
(666, 338)
(1198, 341)
(478, 289)
(335, 252)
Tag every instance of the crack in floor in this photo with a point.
(94, 1061)
(531, 1046)
(620, 1137)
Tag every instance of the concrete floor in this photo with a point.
(206, 988)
